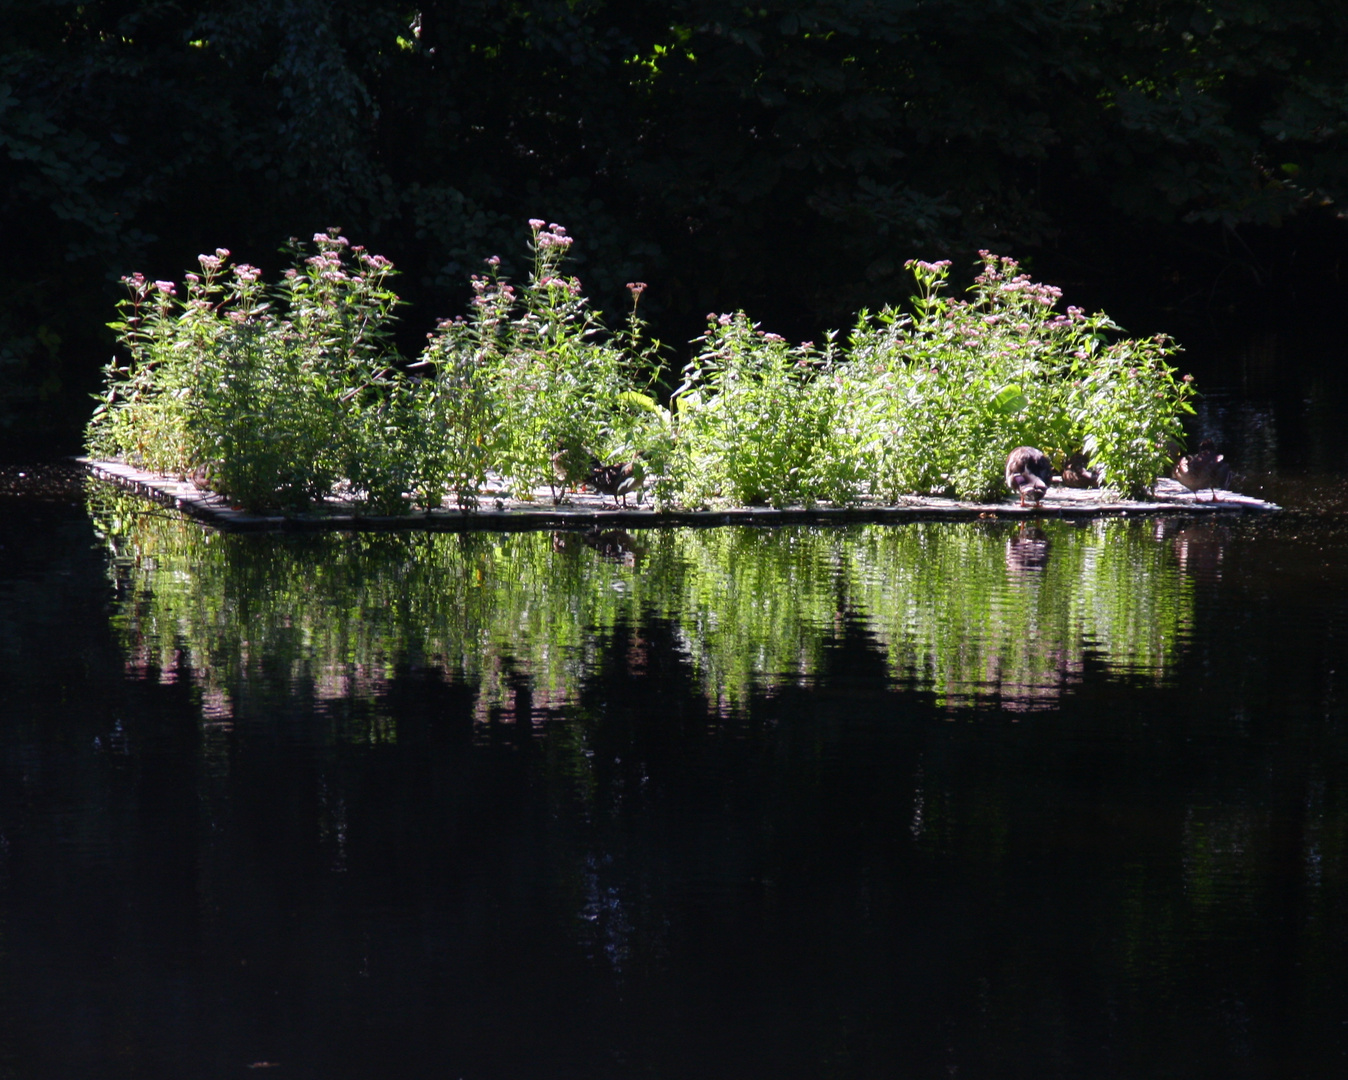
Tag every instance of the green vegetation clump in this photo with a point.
(285, 395)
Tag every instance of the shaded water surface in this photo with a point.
(933, 800)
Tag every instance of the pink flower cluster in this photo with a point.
(571, 285)
(211, 263)
(1001, 272)
(554, 237)
(488, 292)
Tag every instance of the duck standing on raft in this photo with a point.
(1203, 469)
(617, 480)
(1028, 473)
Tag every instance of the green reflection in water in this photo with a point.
(975, 612)
(979, 612)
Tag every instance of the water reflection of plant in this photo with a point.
(959, 610)
(972, 612)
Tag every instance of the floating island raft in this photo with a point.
(498, 511)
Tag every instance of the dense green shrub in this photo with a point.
(283, 396)
(273, 396)
(759, 421)
(941, 396)
(532, 371)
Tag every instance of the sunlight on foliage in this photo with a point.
(286, 395)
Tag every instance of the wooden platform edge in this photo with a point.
(517, 516)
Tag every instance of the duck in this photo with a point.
(1028, 473)
(1077, 473)
(616, 479)
(572, 465)
(1203, 469)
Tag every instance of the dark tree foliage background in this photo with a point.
(786, 157)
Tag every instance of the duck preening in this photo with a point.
(1028, 473)
(1205, 468)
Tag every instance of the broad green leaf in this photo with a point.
(1009, 401)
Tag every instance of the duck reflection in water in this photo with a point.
(1199, 550)
(1027, 552)
(613, 544)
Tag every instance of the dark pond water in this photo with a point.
(965, 800)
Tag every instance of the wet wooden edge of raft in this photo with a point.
(498, 512)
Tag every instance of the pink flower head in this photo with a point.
(247, 274)
(636, 288)
(536, 223)
(211, 262)
(165, 287)
(494, 261)
(556, 230)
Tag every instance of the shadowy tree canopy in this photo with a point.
(786, 157)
